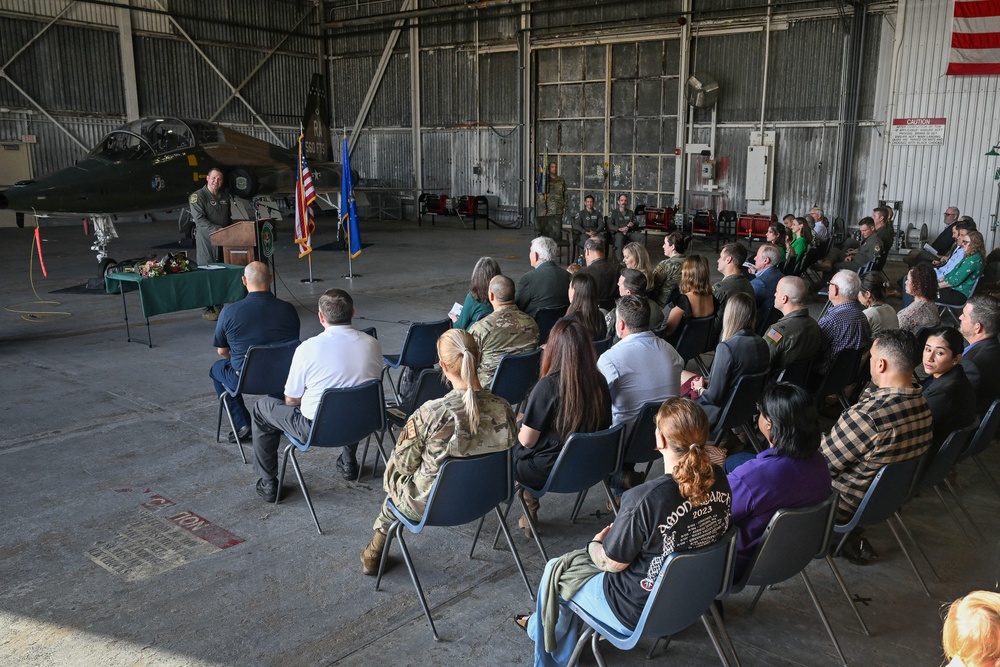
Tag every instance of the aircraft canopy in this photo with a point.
(147, 137)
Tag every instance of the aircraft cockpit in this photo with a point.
(148, 137)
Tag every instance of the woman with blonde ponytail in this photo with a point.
(687, 508)
(469, 420)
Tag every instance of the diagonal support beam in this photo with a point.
(44, 112)
(263, 62)
(24, 93)
(383, 64)
(232, 88)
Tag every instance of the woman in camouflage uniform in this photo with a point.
(468, 421)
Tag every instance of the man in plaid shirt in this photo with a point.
(844, 326)
(890, 423)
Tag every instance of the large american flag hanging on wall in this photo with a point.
(975, 38)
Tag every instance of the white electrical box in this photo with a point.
(758, 184)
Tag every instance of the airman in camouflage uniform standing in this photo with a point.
(507, 330)
(555, 198)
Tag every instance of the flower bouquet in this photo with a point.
(149, 269)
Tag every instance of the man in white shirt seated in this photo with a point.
(340, 356)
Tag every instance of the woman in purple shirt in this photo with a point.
(790, 473)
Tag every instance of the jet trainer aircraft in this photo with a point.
(154, 164)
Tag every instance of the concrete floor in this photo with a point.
(108, 454)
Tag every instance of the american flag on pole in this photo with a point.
(305, 195)
(975, 38)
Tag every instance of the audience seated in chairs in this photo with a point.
(477, 302)
(871, 295)
(957, 285)
(583, 306)
(980, 324)
(623, 226)
(667, 274)
(844, 326)
(469, 420)
(796, 336)
(632, 281)
(695, 299)
(587, 223)
(766, 275)
(740, 352)
(775, 235)
(798, 242)
(920, 285)
(340, 356)
(603, 271)
(544, 286)
(891, 422)
(640, 368)
(734, 281)
(636, 257)
(948, 392)
(506, 330)
(258, 319)
(610, 578)
(790, 473)
(571, 397)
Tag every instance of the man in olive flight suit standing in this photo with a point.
(209, 213)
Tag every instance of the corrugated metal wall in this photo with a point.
(87, 57)
(73, 69)
(929, 178)
(466, 89)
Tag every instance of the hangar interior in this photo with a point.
(456, 98)
(109, 446)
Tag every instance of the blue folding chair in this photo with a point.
(603, 345)
(695, 339)
(265, 369)
(516, 374)
(685, 590)
(982, 439)
(419, 350)
(585, 460)
(740, 407)
(936, 473)
(466, 489)
(888, 491)
(345, 416)
(546, 318)
(844, 371)
(792, 539)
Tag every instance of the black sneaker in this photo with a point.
(348, 469)
(269, 491)
(244, 435)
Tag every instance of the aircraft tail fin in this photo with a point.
(316, 121)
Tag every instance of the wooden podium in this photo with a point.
(239, 242)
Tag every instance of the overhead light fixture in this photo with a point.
(993, 151)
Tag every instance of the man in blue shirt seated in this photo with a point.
(765, 280)
(259, 319)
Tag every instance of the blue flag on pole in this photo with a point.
(348, 207)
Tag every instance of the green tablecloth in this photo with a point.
(181, 291)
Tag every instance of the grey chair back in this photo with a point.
(792, 539)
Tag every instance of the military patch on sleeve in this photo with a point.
(410, 432)
(773, 335)
(193, 199)
(878, 247)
